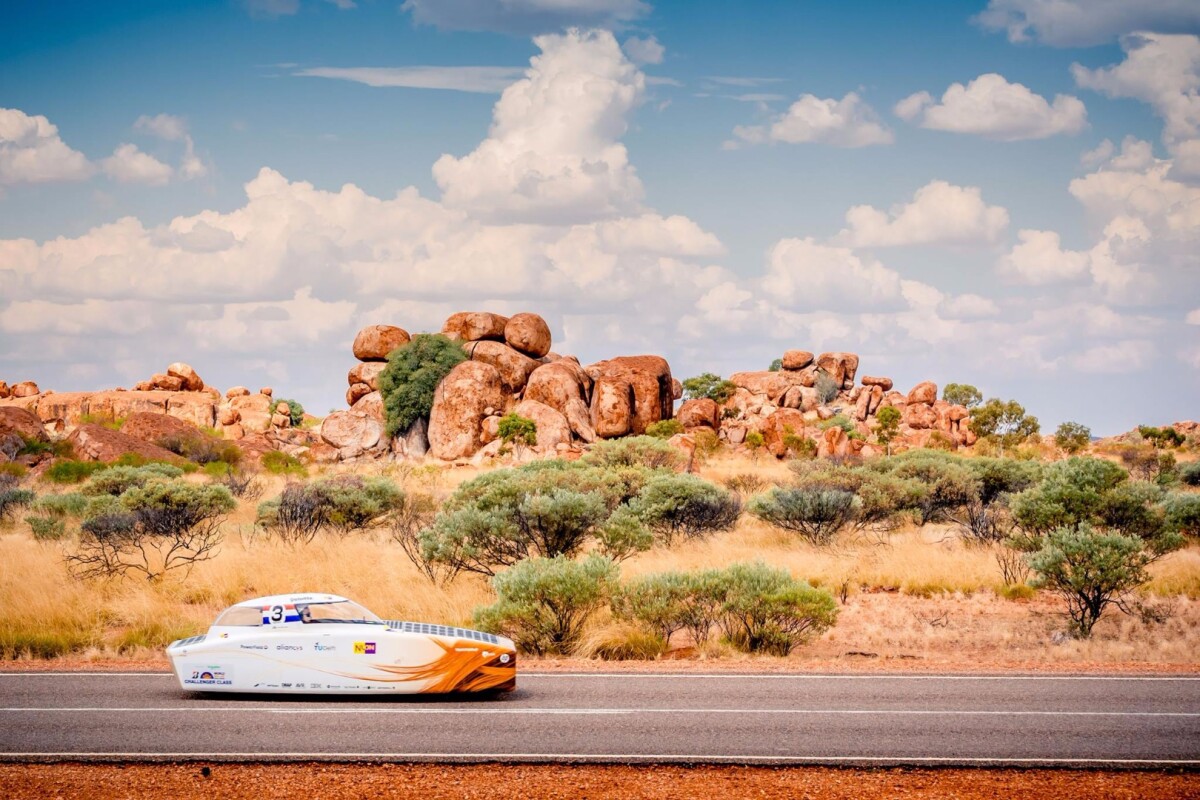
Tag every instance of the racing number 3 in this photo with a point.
(277, 613)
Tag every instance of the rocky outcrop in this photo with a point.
(924, 392)
(18, 426)
(564, 386)
(461, 401)
(514, 367)
(699, 413)
(472, 326)
(651, 387)
(25, 389)
(794, 360)
(160, 429)
(97, 443)
(529, 334)
(842, 367)
(353, 434)
(374, 342)
(366, 373)
(552, 427)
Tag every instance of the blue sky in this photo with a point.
(666, 177)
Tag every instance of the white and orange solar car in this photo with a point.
(325, 644)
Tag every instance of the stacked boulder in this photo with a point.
(19, 390)
(179, 377)
(509, 368)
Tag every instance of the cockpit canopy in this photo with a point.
(303, 613)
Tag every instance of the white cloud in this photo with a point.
(485, 80)
(1039, 260)
(272, 8)
(1121, 357)
(554, 150)
(1164, 72)
(968, 306)
(524, 16)
(939, 212)
(645, 50)
(804, 275)
(848, 122)
(1193, 317)
(992, 107)
(32, 152)
(128, 164)
(164, 126)
(1080, 23)
(343, 5)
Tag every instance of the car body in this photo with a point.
(326, 644)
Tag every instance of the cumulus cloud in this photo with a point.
(645, 50)
(31, 151)
(848, 122)
(554, 150)
(484, 80)
(272, 8)
(1081, 23)
(1039, 259)
(174, 129)
(805, 275)
(992, 107)
(1117, 358)
(524, 16)
(128, 164)
(939, 213)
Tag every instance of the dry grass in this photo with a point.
(918, 592)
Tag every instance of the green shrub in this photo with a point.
(962, 394)
(12, 498)
(1089, 490)
(1001, 476)
(664, 429)
(1073, 437)
(709, 385)
(776, 365)
(278, 462)
(662, 603)
(816, 514)
(47, 529)
(295, 411)
(117, 480)
(60, 506)
(68, 471)
(948, 483)
(1182, 511)
(755, 441)
(633, 451)
(797, 445)
(13, 469)
(1189, 473)
(515, 429)
(685, 506)
(412, 374)
(883, 498)
(837, 421)
(766, 610)
(1003, 422)
(202, 449)
(827, 388)
(1161, 437)
(544, 603)
(887, 426)
(162, 526)
(628, 643)
(1091, 570)
(345, 503)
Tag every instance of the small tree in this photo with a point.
(664, 429)
(1161, 437)
(755, 441)
(815, 514)
(518, 431)
(766, 610)
(1072, 436)
(412, 374)
(776, 365)
(708, 385)
(1003, 422)
(887, 426)
(686, 506)
(1092, 570)
(962, 394)
(544, 603)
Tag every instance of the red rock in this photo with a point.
(552, 426)
(771, 384)
(163, 382)
(237, 391)
(833, 443)
(159, 429)
(281, 420)
(375, 342)
(924, 392)
(5, 391)
(676, 389)
(234, 431)
(919, 416)
(612, 407)
(189, 380)
(797, 359)
(839, 366)
(876, 398)
(565, 387)
(489, 431)
(778, 426)
(862, 407)
(371, 405)
(458, 409)
(957, 413)
(22, 423)
(255, 411)
(579, 417)
(352, 433)
(266, 390)
(228, 416)
(870, 380)
(471, 326)
(529, 334)
(356, 392)
(366, 372)
(97, 443)
(701, 412)
(686, 445)
(514, 368)
(25, 389)
(650, 377)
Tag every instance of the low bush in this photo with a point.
(243, 485)
(295, 411)
(708, 385)
(664, 429)
(14, 470)
(746, 483)
(202, 448)
(766, 610)
(621, 643)
(343, 504)
(69, 471)
(884, 499)
(816, 514)
(116, 481)
(685, 506)
(543, 604)
(837, 421)
(60, 506)
(47, 529)
(278, 462)
(1189, 473)
(517, 430)
(1072, 437)
(948, 483)
(1182, 512)
(633, 451)
(11, 499)
(827, 388)
(1161, 437)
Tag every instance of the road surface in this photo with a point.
(625, 718)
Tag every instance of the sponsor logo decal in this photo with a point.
(253, 647)
(209, 676)
(326, 648)
(364, 648)
(289, 647)
(505, 658)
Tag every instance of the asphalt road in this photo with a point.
(750, 719)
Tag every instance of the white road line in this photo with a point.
(704, 676)
(605, 757)
(587, 711)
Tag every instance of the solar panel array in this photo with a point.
(442, 630)
(189, 640)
